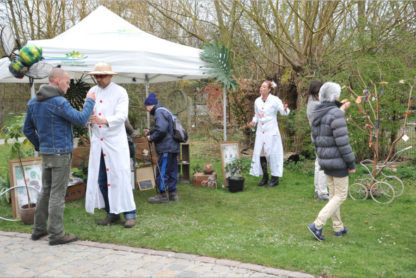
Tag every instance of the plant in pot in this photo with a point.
(20, 149)
(235, 170)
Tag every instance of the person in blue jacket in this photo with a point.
(167, 149)
(48, 126)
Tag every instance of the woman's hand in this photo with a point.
(285, 106)
(251, 124)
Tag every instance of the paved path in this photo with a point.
(22, 257)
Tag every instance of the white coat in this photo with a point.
(268, 135)
(111, 103)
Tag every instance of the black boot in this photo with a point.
(263, 163)
(273, 182)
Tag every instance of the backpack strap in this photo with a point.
(170, 113)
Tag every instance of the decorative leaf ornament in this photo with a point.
(218, 65)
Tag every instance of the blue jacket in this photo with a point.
(162, 134)
(49, 119)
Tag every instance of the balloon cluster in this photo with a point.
(28, 55)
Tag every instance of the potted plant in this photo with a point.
(14, 131)
(208, 169)
(235, 170)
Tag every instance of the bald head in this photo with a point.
(59, 78)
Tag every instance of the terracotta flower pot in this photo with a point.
(27, 214)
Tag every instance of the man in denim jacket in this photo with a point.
(48, 126)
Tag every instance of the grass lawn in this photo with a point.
(266, 226)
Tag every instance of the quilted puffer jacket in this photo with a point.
(330, 137)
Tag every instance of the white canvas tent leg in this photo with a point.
(147, 94)
(32, 89)
(224, 101)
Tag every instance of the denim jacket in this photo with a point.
(49, 119)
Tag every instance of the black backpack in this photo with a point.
(179, 133)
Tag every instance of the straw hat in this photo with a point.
(102, 68)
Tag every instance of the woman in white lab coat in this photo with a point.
(268, 147)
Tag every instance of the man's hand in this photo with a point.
(345, 104)
(148, 138)
(351, 171)
(91, 95)
(146, 131)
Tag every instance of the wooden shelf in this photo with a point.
(184, 164)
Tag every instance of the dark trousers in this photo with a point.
(167, 172)
(102, 182)
(50, 206)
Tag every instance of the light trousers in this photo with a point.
(338, 190)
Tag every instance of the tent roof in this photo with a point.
(133, 53)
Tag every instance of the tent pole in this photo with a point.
(224, 101)
(146, 78)
(32, 95)
(32, 88)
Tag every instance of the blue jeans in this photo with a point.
(102, 182)
(167, 172)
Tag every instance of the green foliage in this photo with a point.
(219, 65)
(297, 133)
(76, 172)
(76, 96)
(238, 166)
(390, 64)
(197, 168)
(4, 186)
(14, 131)
(406, 172)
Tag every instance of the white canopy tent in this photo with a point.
(135, 55)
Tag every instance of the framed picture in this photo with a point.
(145, 178)
(229, 152)
(33, 175)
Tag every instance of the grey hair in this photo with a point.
(55, 73)
(330, 91)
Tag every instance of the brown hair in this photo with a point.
(314, 89)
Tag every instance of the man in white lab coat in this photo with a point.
(268, 147)
(109, 177)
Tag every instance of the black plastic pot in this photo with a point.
(235, 184)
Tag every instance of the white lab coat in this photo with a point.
(111, 103)
(268, 135)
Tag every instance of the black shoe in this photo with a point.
(109, 219)
(264, 181)
(67, 238)
(273, 182)
(39, 235)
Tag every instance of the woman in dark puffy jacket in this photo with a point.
(336, 159)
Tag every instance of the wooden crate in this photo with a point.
(201, 179)
(143, 151)
(75, 192)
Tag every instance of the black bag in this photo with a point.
(179, 133)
